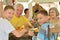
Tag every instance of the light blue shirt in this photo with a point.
(5, 29)
(42, 35)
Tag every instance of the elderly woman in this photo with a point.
(54, 19)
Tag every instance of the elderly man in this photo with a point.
(18, 21)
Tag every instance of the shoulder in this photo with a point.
(45, 24)
(3, 20)
(24, 17)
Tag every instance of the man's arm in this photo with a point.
(19, 33)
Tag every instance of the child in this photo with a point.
(26, 11)
(42, 19)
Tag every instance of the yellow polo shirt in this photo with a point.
(19, 21)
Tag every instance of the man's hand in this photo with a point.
(19, 33)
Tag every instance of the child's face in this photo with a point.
(27, 13)
(8, 14)
(41, 19)
(52, 13)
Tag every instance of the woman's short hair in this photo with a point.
(55, 9)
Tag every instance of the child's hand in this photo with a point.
(30, 33)
(35, 29)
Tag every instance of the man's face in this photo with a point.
(19, 10)
(41, 19)
(8, 14)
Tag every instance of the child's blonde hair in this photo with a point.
(8, 7)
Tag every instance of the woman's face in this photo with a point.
(53, 13)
